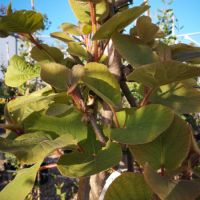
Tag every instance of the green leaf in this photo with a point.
(123, 114)
(135, 53)
(56, 109)
(31, 147)
(57, 75)
(163, 51)
(90, 145)
(86, 29)
(21, 107)
(169, 150)
(182, 96)
(23, 21)
(47, 53)
(146, 30)
(19, 71)
(129, 186)
(15, 107)
(185, 52)
(171, 190)
(161, 73)
(74, 48)
(119, 21)
(62, 36)
(80, 164)
(71, 29)
(69, 62)
(144, 125)
(25, 179)
(81, 10)
(70, 123)
(98, 78)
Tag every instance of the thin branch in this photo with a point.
(96, 129)
(130, 98)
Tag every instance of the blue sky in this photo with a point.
(58, 11)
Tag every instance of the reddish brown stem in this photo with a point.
(116, 121)
(13, 127)
(78, 100)
(146, 97)
(103, 50)
(94, 29)
(48, 166)
(162, 173)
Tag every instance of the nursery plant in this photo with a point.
(81, 110)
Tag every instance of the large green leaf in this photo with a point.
(70, 123)
(161, 73)
(182, 96)
(171, 190)
(74, 48)
(168, 150)
(135, 53)
(19, 71)
(52, 54)
(184, 52)
(79, 164)
(62, 36)
(31, 147)
(129, 186)
(119, 21)
(57, 75)
(81, 10)
(98, 78)
(144, 125)
(25, 180)
(23, 21)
